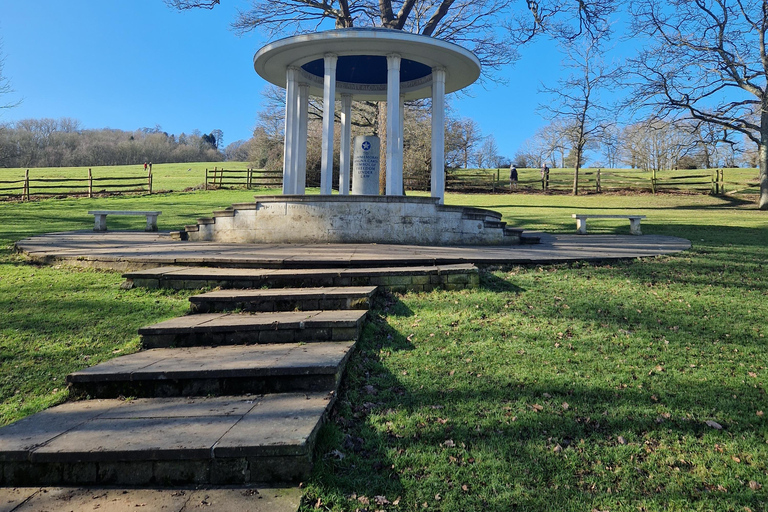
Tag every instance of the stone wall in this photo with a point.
(353, 219)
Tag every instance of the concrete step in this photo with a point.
(253, 328)
(161, 442)
(284, 299)
(397, 279)
(207, 371)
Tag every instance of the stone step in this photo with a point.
(284, 299)
(208, 371)
(254, 328)
(165, 441)
(397, 279)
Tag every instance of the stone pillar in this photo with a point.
(301, 160)
(365, 171)
(400, 139)
(344, 150)
(438, 134)
(290, 150)
(394, 164)
(329, 101)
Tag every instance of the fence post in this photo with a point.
(25, 192)
(722, 181)
(597, 181)
(149, 180)
(653, 181)
(90, 184)
(205, 187)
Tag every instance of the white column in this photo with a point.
(438, 134)
(344, 151)
(301, 161)
(400, 143)
(394, 184)
(290, 148)
(329, 100)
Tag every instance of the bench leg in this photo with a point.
(634, 227)
(100, 223)
(581, 226)
(151, 223)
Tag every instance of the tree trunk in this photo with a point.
(576, 180)
(763, 162)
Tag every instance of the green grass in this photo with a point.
(567, 387)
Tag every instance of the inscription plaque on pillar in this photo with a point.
(365, 165)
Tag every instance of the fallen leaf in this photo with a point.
(752, 374)
(760, 413)
(451, 372)
(438, 497)
(465, 488)
(537, 407)
(363, 500)
(565, 406)
(319, 502)
(397, 501)
(381, 500)
(736, 459)
(714, 425)
(449, 443)
(557, 449)
(755, 486)
(622, 440)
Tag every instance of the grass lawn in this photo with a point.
(627, 386)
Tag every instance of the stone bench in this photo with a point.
(581, 221)
(100, 217)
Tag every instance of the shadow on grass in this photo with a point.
(536, 443)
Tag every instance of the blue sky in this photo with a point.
(129, 65)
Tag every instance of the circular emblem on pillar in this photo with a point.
(366, 145)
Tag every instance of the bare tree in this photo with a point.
(487, 156)
(707, 61)
(5, 84)
(654, 144)
(577, 101)
(473, 24)
(462, 137)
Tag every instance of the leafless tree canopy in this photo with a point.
(492, 29)
(708, 62)
(576, 100)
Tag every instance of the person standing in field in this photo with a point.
(145, 166)
(512, 177)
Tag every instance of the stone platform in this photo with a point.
(125, 251)
(352, 219)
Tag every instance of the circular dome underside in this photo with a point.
(361, 67)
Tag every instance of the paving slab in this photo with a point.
(199, 371)
(137, 250)
(217, 329)
(194, 435)
(204, 362)
(220, 322)
(18, 439)
(227, 499)
(285, 299)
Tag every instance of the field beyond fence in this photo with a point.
(714, 181)
(23, 184)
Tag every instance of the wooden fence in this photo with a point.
(242, 178)
(31, 186)
(596, 180)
